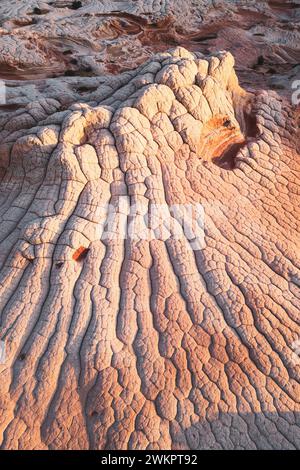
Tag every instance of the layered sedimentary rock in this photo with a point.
(169, 338)
(41, 39)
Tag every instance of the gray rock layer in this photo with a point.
(151, 342)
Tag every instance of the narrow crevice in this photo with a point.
(227, 159)
(252, 129)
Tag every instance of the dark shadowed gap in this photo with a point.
(10, 107)
(252, 129)
(227, 159)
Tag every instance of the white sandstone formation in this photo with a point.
(120, 337)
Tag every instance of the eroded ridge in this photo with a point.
(146, 343)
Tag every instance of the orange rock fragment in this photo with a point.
(80, 253)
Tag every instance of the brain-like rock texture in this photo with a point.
(157, 341)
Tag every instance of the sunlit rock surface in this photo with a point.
(156, 340)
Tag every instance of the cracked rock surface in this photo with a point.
(150, 342)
